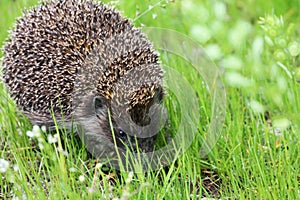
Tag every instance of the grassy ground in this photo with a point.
(255, 44)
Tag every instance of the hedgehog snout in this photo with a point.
(100, 107)
(132, 141)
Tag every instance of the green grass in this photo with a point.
(260, 69)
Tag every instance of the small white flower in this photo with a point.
(256, 106)
(90, 190)
(36, 130)
(98, 165)
(238, 34)
(235, 79)
(129, 178)
(52, 139)
(150, 7)
(72, 169)
(18, 198)
(40, 140)
(30, 134)
(19, 132)
(4, 164)
(41, 146)
(15, 197)
(44, 129)
(201, 33)
(64, 152)
(81, 178)
(294, 49)
(213, 51)
(220, 10)
(126, 195)
(16, 167)
(281, 124)
(154, 15)
(232, 62)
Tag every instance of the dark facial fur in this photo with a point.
(93, 118)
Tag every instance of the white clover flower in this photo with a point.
(220, 10)
(81, 178)
(201, 33)
(18, 198)
(98, 165)
(256, 106)
(239, 33)
(129, 178)
(126, 195)
(19, 132)
(40, 140)
(281, 123)
(16, 167)
(72, 169)
(235, 79)
(213, 51)
(30, 134)
(257, 48)
(52, 139)
(217, 27)
(44, 129)
(4, 164)
(64, 152)
(35, 132)
(294, 49)
(90, 190)
(154, 15)
(232, 62)
(41, 146)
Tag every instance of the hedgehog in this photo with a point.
(81, 61)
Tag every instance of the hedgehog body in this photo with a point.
(79, 59)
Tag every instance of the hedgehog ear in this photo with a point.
(99, 103)
(158, 96)
(140, 113)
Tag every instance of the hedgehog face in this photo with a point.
(123, 138)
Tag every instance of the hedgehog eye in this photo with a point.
(121, 133)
